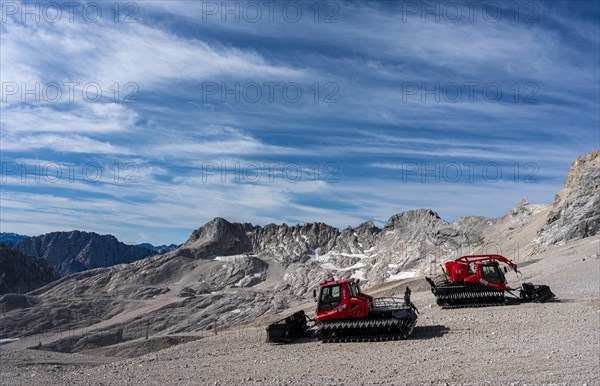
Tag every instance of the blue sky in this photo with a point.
(147, 119)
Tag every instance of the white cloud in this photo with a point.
(214, 142)
(80, 118)
(111, 52)
(59, 143)
(187, 203)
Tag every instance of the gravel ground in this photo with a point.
(556, 342)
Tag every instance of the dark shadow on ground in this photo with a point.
(429, 332)
(517, 302)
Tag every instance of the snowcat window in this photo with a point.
(492, 273)
(330, 297)
(353, 290)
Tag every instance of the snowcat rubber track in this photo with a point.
(461, 296)
(366, 330)
(471, 299)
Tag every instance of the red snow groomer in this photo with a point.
(478, 280)
(345, 314)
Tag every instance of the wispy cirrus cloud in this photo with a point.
(60, 144)
(110, 52)
(79, 118)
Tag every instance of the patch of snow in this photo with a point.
(249, 233)
(322, 258)
(236, 311)
(305, 237)
(392, 265)
(232, 257)
(359, 255)
(370, 250)
(358, 274)
(334, 268)
(329, 266)
(401, 275)
(355, 266)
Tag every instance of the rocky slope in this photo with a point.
(511, 345)
(76, 251)
(575, 213)
(20, 273)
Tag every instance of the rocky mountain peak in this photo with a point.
(367, 226)
(218, 236)
(575, 213)
(413, 218)
(580, 167)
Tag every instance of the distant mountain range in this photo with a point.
(76, 251)
(160, 249)
(11, 238)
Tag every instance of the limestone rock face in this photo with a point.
(217, 237)
(411, 240)
(575, 213)
(285, 244)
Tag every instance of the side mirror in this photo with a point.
(505, 269)
(315, 294)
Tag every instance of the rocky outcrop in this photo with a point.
(415, 241)
(285, 244)
(217, 237)
(575, 213)
(76, 251)
(20, 273)
(293, 244)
